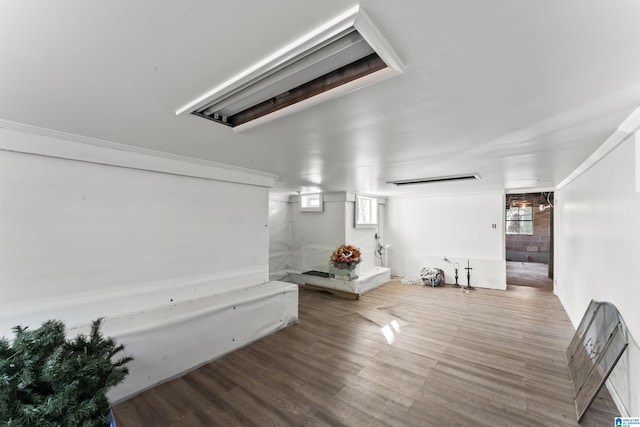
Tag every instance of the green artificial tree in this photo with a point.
(49, 380)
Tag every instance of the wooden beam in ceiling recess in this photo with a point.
(346, 74)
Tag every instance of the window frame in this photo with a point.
(519, 221)
(361, 203)
(305, 206)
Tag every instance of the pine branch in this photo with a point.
(48, 380)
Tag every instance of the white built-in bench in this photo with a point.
(171, 340)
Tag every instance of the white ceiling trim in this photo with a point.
(626, 129)
(27, 139)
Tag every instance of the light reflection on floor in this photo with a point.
(388, 331)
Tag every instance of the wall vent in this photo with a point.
(435, 179)
(338, 57)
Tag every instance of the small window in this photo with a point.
(311, 203)
(519, 220)
(366, 212)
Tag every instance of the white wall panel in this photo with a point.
(279, 234)
(171, 340)
(305, 240)
(315, 235)
(423, 230)
(364, 238)
(597, 252)
(382, 232)
(73, 228)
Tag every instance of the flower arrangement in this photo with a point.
(346, 256)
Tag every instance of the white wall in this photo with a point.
(315, 235)
(364, 238)
(176, 261)
(279, 235)
(597, 252)
(425, 229)
(79, 236)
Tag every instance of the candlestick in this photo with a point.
(455, 267)
(468, 268)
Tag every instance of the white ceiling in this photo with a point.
(519, 91)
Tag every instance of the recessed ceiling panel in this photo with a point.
(337, 54)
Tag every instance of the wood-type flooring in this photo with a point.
(529, 274)
(402, 355)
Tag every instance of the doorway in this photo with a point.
(529, 239)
